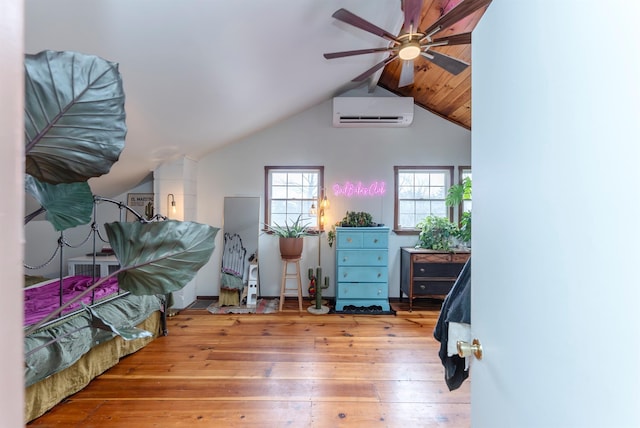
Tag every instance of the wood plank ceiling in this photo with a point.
(435, 89)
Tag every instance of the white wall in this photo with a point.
(11, 211)
(178, 178)
(354, 154)
(556, 119)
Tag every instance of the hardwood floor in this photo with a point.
(277, 370)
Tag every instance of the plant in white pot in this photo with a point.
(291, 236)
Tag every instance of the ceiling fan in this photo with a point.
(412, 43)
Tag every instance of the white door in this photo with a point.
(556, 213)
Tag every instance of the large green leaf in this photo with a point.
(74, 116)
(160, 257)
(67, 205)
(127, 333)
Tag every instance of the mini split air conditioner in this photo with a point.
(362, 112)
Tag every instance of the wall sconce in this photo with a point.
(171, 201)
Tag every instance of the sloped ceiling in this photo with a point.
(201, 74)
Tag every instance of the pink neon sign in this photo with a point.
(349, 189)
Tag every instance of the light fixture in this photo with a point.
(323, 204)
(171, 200)
(409, 50)
(318, 210)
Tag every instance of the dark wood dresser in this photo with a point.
(429, 273)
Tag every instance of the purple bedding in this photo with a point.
(41, 300)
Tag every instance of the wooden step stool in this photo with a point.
(291, 276)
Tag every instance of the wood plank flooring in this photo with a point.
(277, 370)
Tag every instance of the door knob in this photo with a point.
(466, 350)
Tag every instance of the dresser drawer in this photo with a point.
(363, 290)
(446, 270)
(375, 239)
(363, 239)
(362, 257)
(362, 274)
(431, 288)
(460, 257)
(432, 258)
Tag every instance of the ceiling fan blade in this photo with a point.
(375, 68)
(406, 74)
(451, 64)
(333, 55)
(462, 10)
(456, 39)
(345, 16)
(412, 9)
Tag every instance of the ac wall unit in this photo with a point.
(362, 112)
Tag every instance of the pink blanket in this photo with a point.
(40, 301)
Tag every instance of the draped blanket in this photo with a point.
(42, 299)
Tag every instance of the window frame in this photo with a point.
(462, 169)
(269, 169)
(396, 205)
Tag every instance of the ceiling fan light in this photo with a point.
(409, 51)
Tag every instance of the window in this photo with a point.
(464, 172)
(290, 192)
(420, 191)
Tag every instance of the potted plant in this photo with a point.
(455, 196)
(436, 233)
(351, 219)
(291, 236)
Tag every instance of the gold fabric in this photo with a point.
(45, 394)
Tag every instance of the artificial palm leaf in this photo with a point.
(127, 333)
(160, 257)
(74, 116)
(66, 205)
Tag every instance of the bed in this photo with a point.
(64, 353)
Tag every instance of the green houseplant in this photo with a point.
(455, 196)
(291, 236)
(351, 219)
(436, 233)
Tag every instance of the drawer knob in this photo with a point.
(379, 274)
(422, 287)
(344, 275)
(379, 292)
(348, 239)
(421, 270)
(375, 241)
(345, 259)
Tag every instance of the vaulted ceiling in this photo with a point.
(435, 89)
(202, 74)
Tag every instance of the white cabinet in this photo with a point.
(82, 265)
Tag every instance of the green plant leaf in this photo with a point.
(160, 257)
(127, 333)
(67, 205)
(74, 116)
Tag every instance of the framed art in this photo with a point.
(142, 203)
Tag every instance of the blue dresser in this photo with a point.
(362, 273)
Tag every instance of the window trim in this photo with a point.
(462, 169)
(396, 169)
(267, 187)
